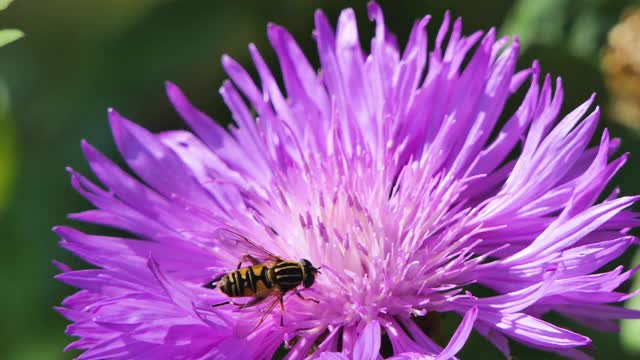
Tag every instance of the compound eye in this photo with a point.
(309, 280)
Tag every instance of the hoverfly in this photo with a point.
(269, 276)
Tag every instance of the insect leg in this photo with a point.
(306, 299)
(253, 260)
(220, 304)
(227, 302)
(281, 311)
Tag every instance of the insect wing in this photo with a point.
(233, 240)
(245, 329)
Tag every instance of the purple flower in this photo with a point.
(391, 171)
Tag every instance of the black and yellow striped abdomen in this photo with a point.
(253, 280)
(260, 280)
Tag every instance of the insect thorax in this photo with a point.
(288, 274)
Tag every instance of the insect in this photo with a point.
(269, 276)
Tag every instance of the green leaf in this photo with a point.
(5, 4)
(630, 328)
(9, 35)
(8, 151)
(536, 21)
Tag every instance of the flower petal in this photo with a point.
(460, 336)
(368, 344)
(530, 330)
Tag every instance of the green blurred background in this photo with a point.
(79, 57)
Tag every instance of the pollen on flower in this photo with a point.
(381, 170)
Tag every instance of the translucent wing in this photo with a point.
(233, 240)
(246, 329)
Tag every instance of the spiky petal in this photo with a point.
(393, 171)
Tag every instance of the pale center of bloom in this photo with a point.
(372, 251)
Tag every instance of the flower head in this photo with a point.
(393, 172)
